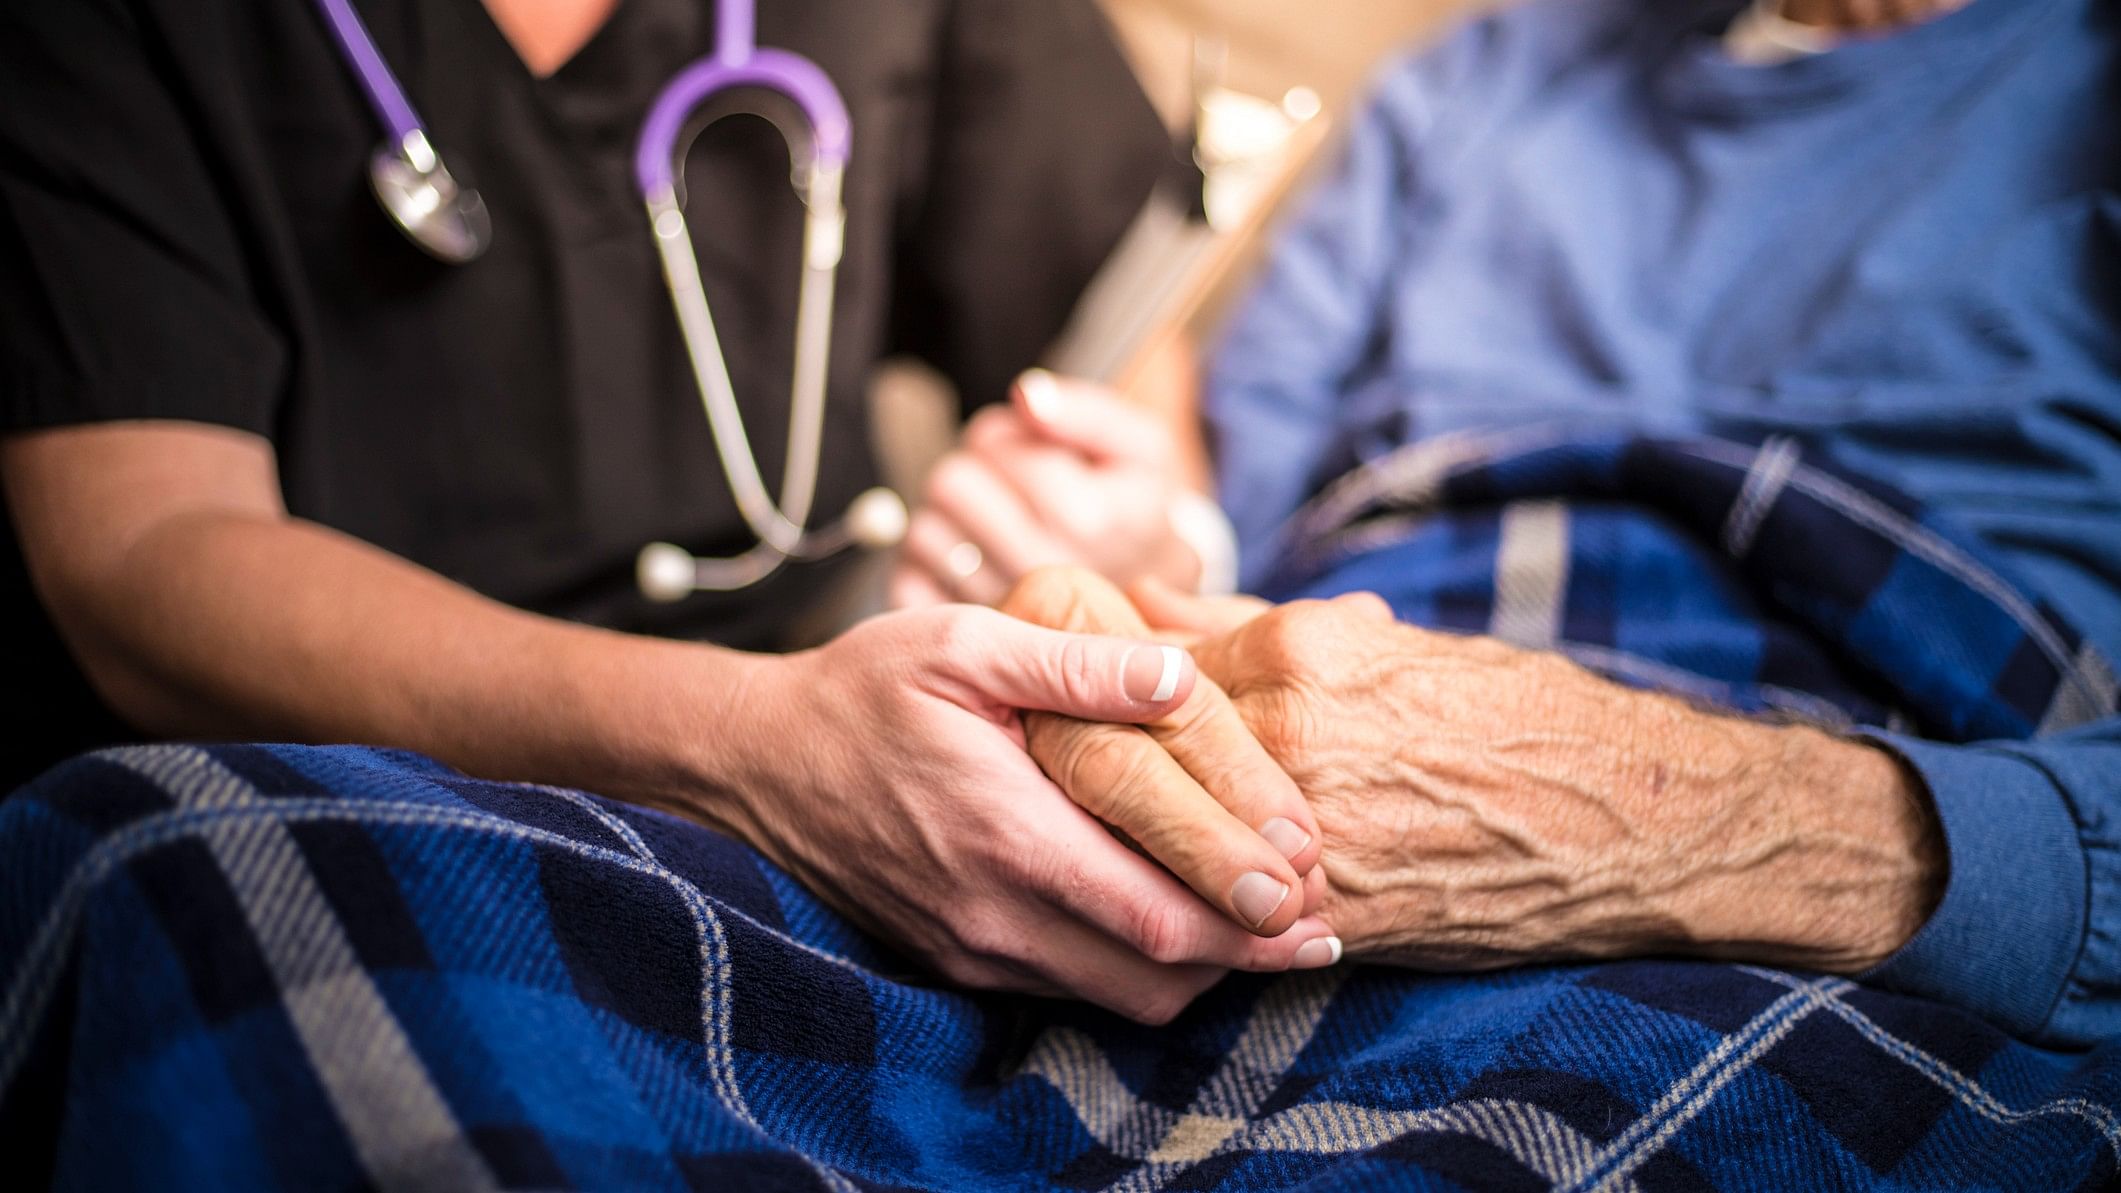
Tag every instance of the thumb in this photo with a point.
(1087, 676)
(1089, 418)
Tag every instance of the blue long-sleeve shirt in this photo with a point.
(1906, 252)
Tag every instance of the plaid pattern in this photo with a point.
(307, 969)
(1749, 576)
(290, 968)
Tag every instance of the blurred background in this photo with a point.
(1329, 46)
(1260, 90)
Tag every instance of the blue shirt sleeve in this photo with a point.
(2029, 930)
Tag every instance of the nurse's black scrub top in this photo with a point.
(187, 232)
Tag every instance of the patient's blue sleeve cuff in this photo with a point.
(2008, 933)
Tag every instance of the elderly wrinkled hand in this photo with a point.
(1483, 805)
(1193, 788)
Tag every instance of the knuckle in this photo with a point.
(1366, 605)
(962, 636)
(1162, 932)
(1079, 671)
(1058, 874)
(1062, 752)
(989, 425)
(928, 535)
(1107, 768)
(984, 937)
(1319, 637)
(1285, 632)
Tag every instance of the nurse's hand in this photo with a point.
(887, 771)
(1067, 473)
(1192, 787)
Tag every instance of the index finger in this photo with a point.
(1195, 788)
(1122, 776)
(1209, 738)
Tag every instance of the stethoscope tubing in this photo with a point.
(450, 222)
(779, 524)
(385, 96)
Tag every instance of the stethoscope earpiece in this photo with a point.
(877, 519)
(666, 572)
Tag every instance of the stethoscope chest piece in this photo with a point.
(447, 220)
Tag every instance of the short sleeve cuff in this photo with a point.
(2010, 927)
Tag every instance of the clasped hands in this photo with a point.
(1320, 781)
(1054, 803)
(1482, 806)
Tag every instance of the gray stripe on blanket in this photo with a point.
(2087, 694)
(396, 1119)
(1531, 574)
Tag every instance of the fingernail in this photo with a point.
(1152, 673)
(1317, 954)
(1282, 833)
(1257, 896)
(1041, 395)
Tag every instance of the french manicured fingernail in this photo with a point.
(1041, 395)
(1152, 673)
(1257, 896)
(1282, 833)
(1317, 954)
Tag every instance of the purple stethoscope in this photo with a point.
(450, 222)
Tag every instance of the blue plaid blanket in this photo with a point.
(1747, 575)
(279, 967)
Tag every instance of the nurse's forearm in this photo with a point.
(198, 609)
(267, 629)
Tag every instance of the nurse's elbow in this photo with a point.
(93, 508)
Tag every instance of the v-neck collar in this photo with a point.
(588, 47)
(602, 93)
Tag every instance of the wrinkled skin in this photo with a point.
(1484, 806)
(1191, 788)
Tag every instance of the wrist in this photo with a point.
(1834, 859)
(1875, 817)
(690, 740)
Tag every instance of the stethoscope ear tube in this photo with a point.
(876, 519)
(450, 222)
(779, 524)
(818, 154)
